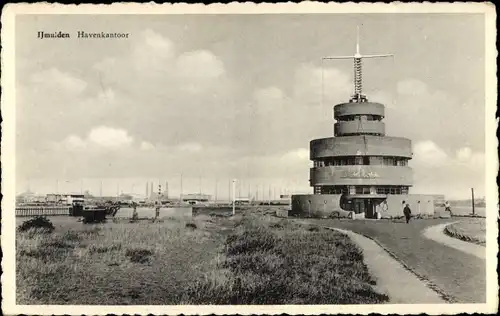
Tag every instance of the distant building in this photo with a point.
(196, 198)
(66, 199)
(27, 197)
(241, 200)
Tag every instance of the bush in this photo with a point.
(40, 223)
(313, 229)
(191, 225)
(138, 255)
(104, 249)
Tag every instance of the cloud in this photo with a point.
(151, 53)
(464, 154)
(147, 146)
(73, 142)
(200, 64)
(110, 137)
(412, 87)
(314, 85)
(269, 100)
(451, 173)
(191, 147)
(53, 80)
(98, 137)
(422, 113)
(297, 155)
(429, 153)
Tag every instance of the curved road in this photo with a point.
(437, 234)
(459, 276)
(402, 286)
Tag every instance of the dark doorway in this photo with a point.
(370, 208)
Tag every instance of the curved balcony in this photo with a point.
(361, 175)
(359, 127)
(363, 108)
(367, 145)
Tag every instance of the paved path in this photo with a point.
(402, 286)
(437, 234)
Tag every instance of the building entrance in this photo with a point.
(365, 206)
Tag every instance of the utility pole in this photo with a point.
(269, 195)
(200, 186)
(158, 201)
(216, 188)
(234, 198)
(473, 207)
(166, 189)
(181, 190)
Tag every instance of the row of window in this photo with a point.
(362, 160)
(361, 190)
(361, 118)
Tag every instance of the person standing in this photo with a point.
(407, 213)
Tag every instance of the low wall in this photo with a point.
(420, 204)
(165, 212)
(316, 205)
(328, 205)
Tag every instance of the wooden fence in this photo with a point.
(41, 211)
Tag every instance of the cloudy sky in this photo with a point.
(228, 96)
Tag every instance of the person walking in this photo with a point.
(447, 207)
(407, 213)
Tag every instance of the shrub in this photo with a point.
(41, 223)
(313, 229)
(139, 255)
(250, 241)
(104, 249)
(71, 236)
(191, 225)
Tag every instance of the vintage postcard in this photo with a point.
(249, 158)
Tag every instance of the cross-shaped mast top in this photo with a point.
(358, 71)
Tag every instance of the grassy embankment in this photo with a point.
(471, 230)
(207, 260)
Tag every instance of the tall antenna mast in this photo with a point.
(358, 69)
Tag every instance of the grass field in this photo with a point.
(461, 276)
(253, 259)
(469, 229)
(114, 263)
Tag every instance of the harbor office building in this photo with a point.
(360, 172)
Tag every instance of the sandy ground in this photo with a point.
(437, 234)
(393, 279)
